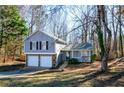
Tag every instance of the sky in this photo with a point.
(70, 12)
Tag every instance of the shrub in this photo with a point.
(93, 57)
(73, 61)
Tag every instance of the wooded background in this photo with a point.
(101, 25)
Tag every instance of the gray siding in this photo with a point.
(39, 36)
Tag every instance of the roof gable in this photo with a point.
(79, 46)
(57, 40)
(32, 35)
(83, 46)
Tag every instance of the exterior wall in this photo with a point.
(58, 47)
(39, 36)
(60, 56)
(54, 47)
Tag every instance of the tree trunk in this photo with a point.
(103, 53)
(104, 65)
(115, 45)
(120, 33)
(115, 28)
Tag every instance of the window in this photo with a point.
(33, 45)
(44, 45)
(84, 53)
(88, 52)
(37, 45)
(40, 45)
(30, 45)
(76, 53)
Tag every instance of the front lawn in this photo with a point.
(73, 75)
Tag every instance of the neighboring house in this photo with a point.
(43, 50)
(80, 51)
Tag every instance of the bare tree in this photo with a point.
(102, 27)
(120, 31)
(57, 19)
(35, 16)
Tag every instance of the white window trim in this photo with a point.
(43, 46)
(33, 45)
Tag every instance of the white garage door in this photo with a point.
(46, 61)
(32, 60)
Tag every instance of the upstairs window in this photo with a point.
(37, 45)
(30, 45)
(47, 45)
(44, 45)
(40, 45)
(33, 45)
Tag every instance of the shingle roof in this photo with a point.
(79, 46)
(55, 38)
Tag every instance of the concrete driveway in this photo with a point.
(21, 73)
(29, 71)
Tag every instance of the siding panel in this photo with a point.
(40, 37)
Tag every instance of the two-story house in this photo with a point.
(43, 50)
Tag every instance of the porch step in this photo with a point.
(63, 65)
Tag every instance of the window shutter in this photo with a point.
(30, 45)
(46, 45)
(37, 45)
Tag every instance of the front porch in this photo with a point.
(81, 55)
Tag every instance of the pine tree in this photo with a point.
(12, 29)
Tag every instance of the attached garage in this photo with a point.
(46, 61)
(39, 61)
(32, 60)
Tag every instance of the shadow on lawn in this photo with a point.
(57, 82)
(110, 81)
(75, 82)
(67, 82)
